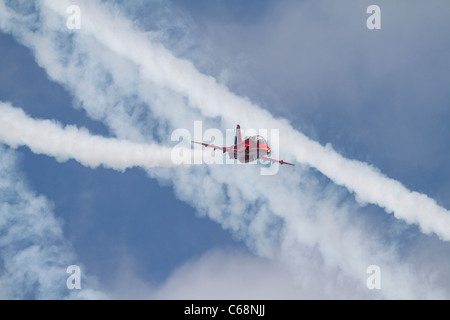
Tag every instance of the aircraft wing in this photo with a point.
(224, 149)
(276, 160)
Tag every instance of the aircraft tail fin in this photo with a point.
(238, 137)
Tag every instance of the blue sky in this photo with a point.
(379, 97)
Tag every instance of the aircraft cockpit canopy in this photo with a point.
(259, 139)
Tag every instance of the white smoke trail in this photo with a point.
(50, 138)
(213, 100)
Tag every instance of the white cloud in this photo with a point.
(34, 255)
(222, 274)
(234, 275)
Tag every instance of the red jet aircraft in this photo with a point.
(250, 149)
